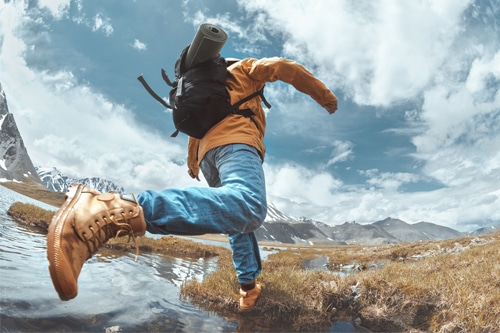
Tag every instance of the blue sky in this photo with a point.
(416, 136)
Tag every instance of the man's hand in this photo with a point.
(192, 175)
(331, 107)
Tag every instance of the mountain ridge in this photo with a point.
(55, 181)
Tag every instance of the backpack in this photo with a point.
(198, 96)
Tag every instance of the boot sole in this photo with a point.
(59, 264)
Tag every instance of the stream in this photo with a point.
(115, 294)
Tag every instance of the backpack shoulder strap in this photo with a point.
(249, 112)
(249, 97)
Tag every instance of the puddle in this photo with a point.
(322, 263)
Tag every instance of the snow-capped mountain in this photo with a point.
(282, 228)
(54, 180)
(15, 163)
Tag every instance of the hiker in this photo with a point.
(230, 156)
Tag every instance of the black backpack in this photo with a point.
(199, 98)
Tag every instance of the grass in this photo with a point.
(445, 292)
(31, 214)
(437, 286)
(37, 191)
(169, 245)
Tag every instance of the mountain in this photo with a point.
(278, 227)
(420, 231)
(486, 230)
(15, 163)
(355, 233)
(54, 180)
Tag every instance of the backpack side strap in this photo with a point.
(152, 93)
(165, 78)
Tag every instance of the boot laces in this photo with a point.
(98, 239)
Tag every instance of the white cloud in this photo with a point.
(483, 70)
(301, 185)
(342, 151)
(98, 23)
(57, 8)
(138, 45)
(388, 181)
(84, 134)
(462, 137)
(379, 51)
(102, 23)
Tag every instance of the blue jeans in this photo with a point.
(234, 204)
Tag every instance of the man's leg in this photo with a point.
(247, 262)
(246, 256)
(244, 246)
(237, 205)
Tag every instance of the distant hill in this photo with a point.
(420, 231)
(486, 230)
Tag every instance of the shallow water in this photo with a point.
(115, 293)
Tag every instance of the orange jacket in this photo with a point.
(244, 78)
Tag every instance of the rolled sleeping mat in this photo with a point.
(206, 44)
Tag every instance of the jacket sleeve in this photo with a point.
(192, 159)
(291, 72)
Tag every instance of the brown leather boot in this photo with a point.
(85, 222)
(249, 298)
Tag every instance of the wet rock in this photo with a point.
(112, 329)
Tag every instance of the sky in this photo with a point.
(416, 135)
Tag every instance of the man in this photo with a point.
(230, 155)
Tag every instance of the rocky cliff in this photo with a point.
(15, 163)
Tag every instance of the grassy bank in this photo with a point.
(450, 289)
(438, 286)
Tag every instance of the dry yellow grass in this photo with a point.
(168, 245)
(453, 286)
(455, 289)
(31, 214)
